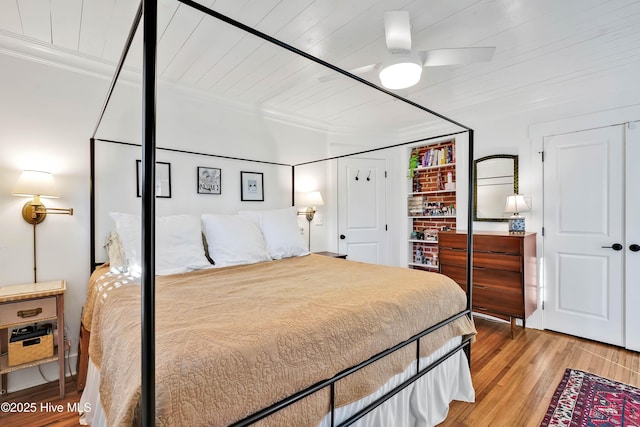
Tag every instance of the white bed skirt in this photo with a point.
(421, 404)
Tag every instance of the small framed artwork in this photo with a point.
(163, 179)
(209, 180)
(251, 187)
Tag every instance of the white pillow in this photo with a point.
(234, 240)
(179, 245)
(281, 231)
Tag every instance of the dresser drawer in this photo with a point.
(502, 244)
(456, 272)
(497, 300)
(34, 310)
(452, 240)
(482, 242)
(452, 256)
(497, 261)
(497, 278)
(508, 280)
(481, 259)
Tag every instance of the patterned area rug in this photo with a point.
(587, 400)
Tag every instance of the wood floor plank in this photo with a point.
(514, 379)
(515, 386)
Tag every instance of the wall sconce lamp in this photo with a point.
(516, 204)
(311, 200)
(37, 184)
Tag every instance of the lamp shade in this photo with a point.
(516, 204)
(35, 183)
(313, 198)
(400, 71)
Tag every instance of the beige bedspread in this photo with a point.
(231, 341)
(101, 283)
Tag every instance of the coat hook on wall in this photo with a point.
(357, 173)
(369, 176)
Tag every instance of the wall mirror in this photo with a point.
(495, 178)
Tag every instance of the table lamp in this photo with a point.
(516, 204)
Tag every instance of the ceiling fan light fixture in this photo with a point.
(400, 71)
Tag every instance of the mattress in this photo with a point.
(252, 335)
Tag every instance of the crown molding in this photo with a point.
(33, 50)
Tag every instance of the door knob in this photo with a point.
(634, 248)
(342, 237)
(615, 247)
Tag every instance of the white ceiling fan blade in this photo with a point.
(357, 71)
(457, 56)
(397, 30)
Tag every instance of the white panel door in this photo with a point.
(361, 209)
(583, 218)
(632, 231)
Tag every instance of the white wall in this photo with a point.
(45, 118)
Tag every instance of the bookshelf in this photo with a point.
(431, 201)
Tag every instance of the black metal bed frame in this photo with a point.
(147, 13)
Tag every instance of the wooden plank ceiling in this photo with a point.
(549, 53)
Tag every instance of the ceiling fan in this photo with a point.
(403, 66)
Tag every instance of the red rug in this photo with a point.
(587, 400)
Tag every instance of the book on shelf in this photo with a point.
(438, 156)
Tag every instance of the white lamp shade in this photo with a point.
(400, 71)
(313, 198)
(35, 183)
(516, 204)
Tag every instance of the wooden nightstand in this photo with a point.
(331, 254)
(22, 305)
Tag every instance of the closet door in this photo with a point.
(632, 215)
(583, 234)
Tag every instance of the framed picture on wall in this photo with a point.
(163, 179)
(251, 187)
(209, 180)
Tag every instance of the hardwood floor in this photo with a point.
(47, 410)
(514, 379)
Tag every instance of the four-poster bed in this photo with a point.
(422, 339)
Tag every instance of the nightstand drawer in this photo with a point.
(29, 311)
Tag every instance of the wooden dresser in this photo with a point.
(504, 271)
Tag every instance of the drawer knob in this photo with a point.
(29, 313)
